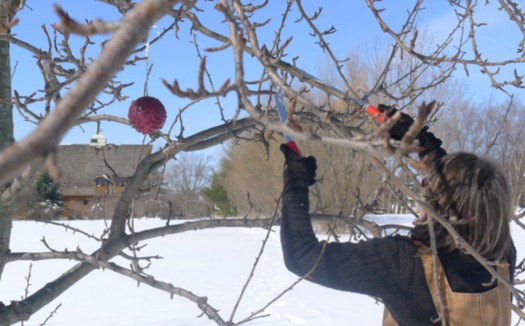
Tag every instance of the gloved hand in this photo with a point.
(426, 139)
(299, 172)
(429, 142)
(401, 127)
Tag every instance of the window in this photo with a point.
(101, 184)
(120, 183)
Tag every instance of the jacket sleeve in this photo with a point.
(377, 267)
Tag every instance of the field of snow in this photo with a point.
(213, 263)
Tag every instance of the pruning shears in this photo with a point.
(370, 109)
(375, 113)
(283, 116)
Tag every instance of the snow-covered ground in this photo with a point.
(213, 263)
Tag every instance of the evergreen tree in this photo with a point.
(48, 189)
(216, 193)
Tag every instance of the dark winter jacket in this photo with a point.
(388, 268)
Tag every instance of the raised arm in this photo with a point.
(376, 267)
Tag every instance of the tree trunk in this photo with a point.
(6, 128)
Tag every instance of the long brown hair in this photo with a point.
(473, 193)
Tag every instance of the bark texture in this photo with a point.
(6, 125)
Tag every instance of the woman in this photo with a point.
(471, 192)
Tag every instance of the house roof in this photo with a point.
(81, 164)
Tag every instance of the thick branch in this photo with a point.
(133, 29)
(22, 310)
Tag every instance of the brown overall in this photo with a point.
(492, 307)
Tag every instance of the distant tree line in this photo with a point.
(251, 172)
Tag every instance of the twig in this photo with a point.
(201, 302)
(51, 314)
(255, 264)
(73, 229)
(28, 281)
(435, 274)
(67, 24)
(314, 267)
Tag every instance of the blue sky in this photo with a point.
(176, 58)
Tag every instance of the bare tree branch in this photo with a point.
(44, 139)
